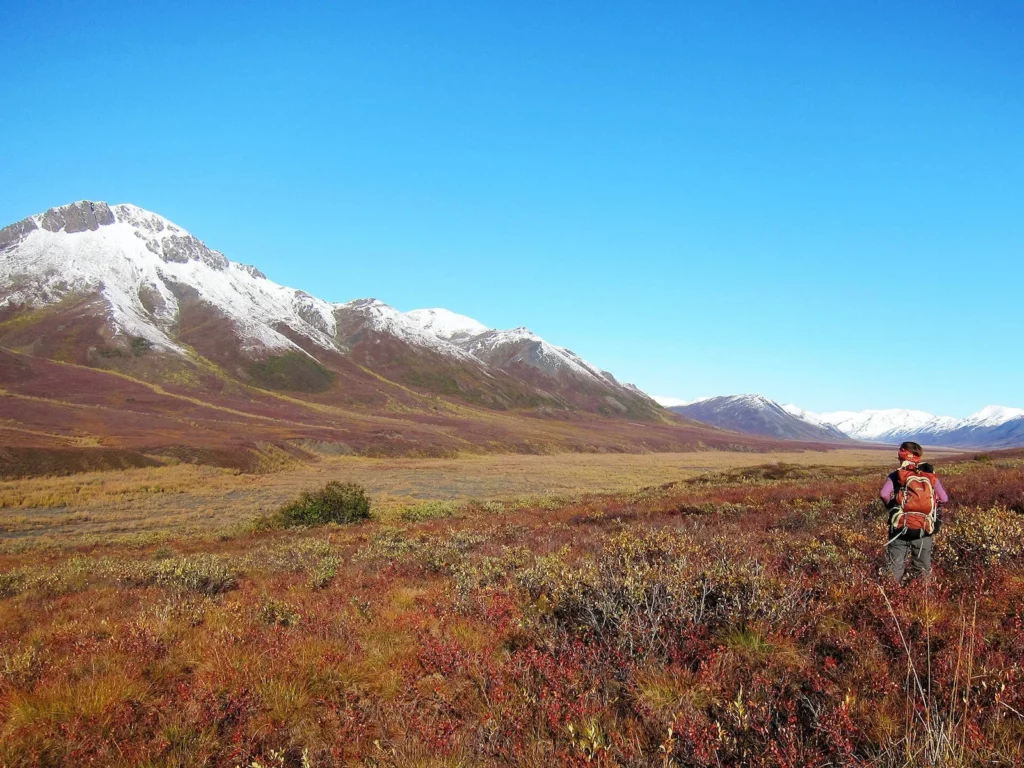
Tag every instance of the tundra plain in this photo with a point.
(606, 610)
(152, 502)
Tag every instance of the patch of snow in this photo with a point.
(800, 413)
(759, 402)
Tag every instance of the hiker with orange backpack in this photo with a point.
(912, 494)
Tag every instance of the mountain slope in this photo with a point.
(119, 287)
(756, 415)
(122, 334)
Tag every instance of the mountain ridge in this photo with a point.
(150, 283)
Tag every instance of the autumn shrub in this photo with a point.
(19, 668)
(11, 583)
(440, 553)
(287, 556)
(429, 510)
(322, 573)
(648, 588)
(334, 503)
(492, 571)
(278, 612)
(981, 538)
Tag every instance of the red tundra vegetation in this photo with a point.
(736, 619)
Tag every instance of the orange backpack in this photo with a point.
(915, 501)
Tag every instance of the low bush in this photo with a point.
(322, 574)
(430, 510)
(334, 503)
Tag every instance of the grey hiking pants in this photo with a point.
(920, 551)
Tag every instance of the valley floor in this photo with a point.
(142, 505)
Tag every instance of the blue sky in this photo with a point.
(704, 198)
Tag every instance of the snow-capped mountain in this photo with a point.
(867, 425)
(143, 268)
(992, 426)
(992, 416)
(120, 282)
(756, 415)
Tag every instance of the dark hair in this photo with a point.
(924, 466)
(912, 447)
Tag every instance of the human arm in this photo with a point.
(940, 493)
(885, 494)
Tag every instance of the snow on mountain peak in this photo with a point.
(897, 424)
(143, 266)
(993, 416)
(752, 400)
(386, 319)
(871, 424)
(669, 402)
(447, 324)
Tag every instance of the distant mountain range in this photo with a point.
(756, 415)
(120, 329)
(991, 427)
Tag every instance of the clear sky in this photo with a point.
(805, 199)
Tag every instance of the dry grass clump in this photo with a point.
(206, 574)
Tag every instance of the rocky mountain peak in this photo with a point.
(82, 216)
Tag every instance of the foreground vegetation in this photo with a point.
(734, 618)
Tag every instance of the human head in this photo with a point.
(910, 451)
(924, 466)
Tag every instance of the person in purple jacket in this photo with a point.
(903, 542)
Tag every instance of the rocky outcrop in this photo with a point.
(78, 217)
(15, 233)
(183, 249)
